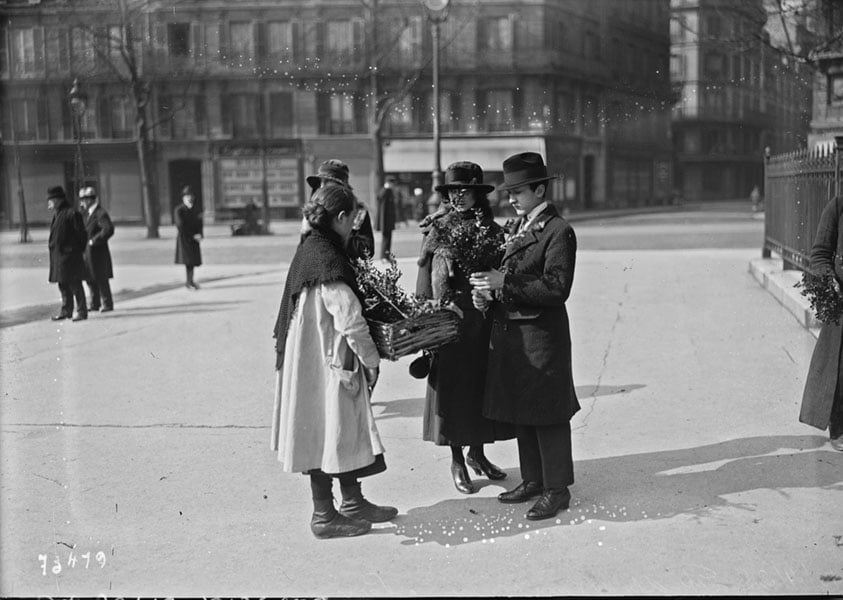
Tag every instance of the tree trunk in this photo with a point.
(150, 198)
(24, 224)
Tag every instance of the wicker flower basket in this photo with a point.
(414, 334)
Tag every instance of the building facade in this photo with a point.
(737, 96)
(245, 99)
(827, 113)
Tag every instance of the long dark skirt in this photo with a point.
(455, 387)
(822, 400)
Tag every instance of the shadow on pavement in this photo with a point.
(653, 485)
(403, 407)
(172, 309)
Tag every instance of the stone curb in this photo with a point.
(780, 283)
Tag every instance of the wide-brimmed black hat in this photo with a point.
(523, 169)
(464, 174)
(56, 193)
(332, 170)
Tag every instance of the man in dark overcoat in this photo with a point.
(822, 400)
(67, 244)
(529, 377)
(99, 227)
(190, 231)
(386, 215)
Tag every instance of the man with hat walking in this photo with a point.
(529, 378)
(67, 244)
(99, 228)
(387, 198)
(362, 240)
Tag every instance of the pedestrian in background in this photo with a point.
(361, 243)
(822, 400)
(386, 215)
(99, 228)
(67, 243)
(328, 364)
(530, 379)
(454, 399)
(189, 225)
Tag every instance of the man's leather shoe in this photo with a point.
(461, 479)
(60, 317)
(550, 503)
(80, 316)
(837, 443)
(93, 307)
(524, 491)
(106, 309)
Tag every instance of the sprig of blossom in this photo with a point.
(383, 294)
(472, 243)
(823, 292)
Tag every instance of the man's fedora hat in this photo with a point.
(464, 174)
(523, 169)
(332, 170)
(56, 193)
(87, 192)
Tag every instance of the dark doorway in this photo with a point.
(588, 182)
(182, 173)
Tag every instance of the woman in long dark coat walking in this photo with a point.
(189, 226)
(455, 388)
(822, 401)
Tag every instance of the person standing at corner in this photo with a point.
(454, 398)
(822, 400)
(529, 377)
(67, 245)
(361, 243)
(189, 226)
(386, 215)
(99, 228)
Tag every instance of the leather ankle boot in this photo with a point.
(328, 523)
(461, 479)
(355, 506)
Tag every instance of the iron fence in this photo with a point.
(797, 187)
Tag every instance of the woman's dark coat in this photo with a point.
(189, 223)
(529, 379)
(97, 255)
(67, 244)
(825, 375)
(455, 385)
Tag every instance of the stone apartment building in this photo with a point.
(738, 94)
(252, 95)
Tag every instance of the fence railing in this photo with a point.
(798, 185)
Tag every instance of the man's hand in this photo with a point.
(481, 300)
(488, 281)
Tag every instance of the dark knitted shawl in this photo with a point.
(320, 258)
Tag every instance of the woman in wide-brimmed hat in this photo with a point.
(455, 391)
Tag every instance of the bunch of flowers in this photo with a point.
(471, 243)
(385, 299)
(823, 292)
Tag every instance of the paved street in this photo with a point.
(143, 435)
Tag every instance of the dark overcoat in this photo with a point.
(386, 210)
(529, 379)
(825, 375)
(97, 255)
(188, 223)
(455, 386)
(67, 244)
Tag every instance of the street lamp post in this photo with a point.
(437, 12)
(78, 105)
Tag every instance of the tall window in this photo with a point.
(499, 110)
(401, 117)
(409, 42)
(591, 115)
(58, 51)
(566, 114)
(242, 41)
(122, 117)
(281, 114)
(244, 113)
(339, 41)
(212, 41)
(178, 39)
(280, 41)
(495, 34)
(82, 49)
(27, 46)
(342, 113)
(714, 66)
(25, 118)
(4, 57)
